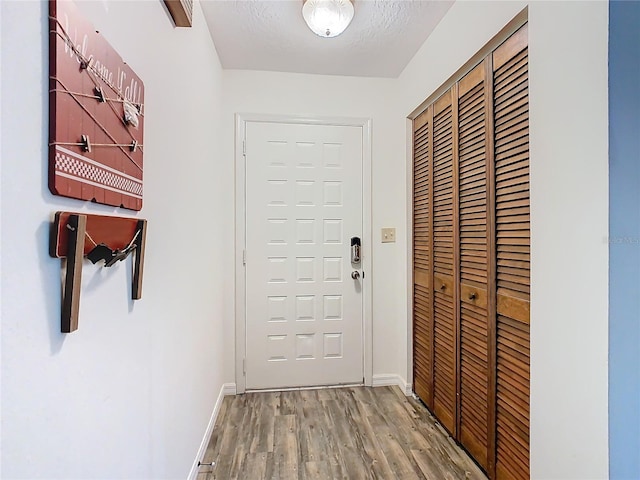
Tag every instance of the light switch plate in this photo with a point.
(388, 235)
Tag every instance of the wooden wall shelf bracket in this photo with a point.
(99, 238)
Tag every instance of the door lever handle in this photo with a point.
(355, 274)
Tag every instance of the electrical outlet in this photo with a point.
(388, 235)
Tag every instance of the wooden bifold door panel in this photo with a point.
(444, 391)
(471, 260)
(511, 113)
(422, 260)
(474, 267)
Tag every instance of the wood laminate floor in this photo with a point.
(342, 433)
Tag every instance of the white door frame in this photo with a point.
(240, 234)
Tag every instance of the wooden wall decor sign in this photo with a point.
(99, 238)
(96, 114)
(181, 11)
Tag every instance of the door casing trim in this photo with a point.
(241, 119)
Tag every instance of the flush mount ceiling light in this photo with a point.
(327, 18)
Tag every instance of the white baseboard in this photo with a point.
(229, 389)
(226, 389)
(386, 379)
(408, 388)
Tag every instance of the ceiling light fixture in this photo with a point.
(327, 18)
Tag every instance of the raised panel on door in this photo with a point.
(303, 204)
(474, 264)
(444, 311)
(422, 259)
(511, 106)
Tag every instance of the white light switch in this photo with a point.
(388, 235)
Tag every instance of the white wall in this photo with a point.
(130, 394)
(297, 94)
(569, 217)
(569, 251)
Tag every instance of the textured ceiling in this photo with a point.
(272, 35)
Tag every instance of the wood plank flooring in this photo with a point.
(343, 433)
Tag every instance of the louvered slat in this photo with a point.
(474, 373)
(511, 121)
(422, 261)
(423, 337)
(444, 401)
(513, 399)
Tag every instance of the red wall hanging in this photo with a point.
(96, 114)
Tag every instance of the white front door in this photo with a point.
(304, 314)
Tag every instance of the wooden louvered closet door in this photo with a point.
(511, 105)
(444, 344)
(471, 260)
(422, 258)
(474, 263)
